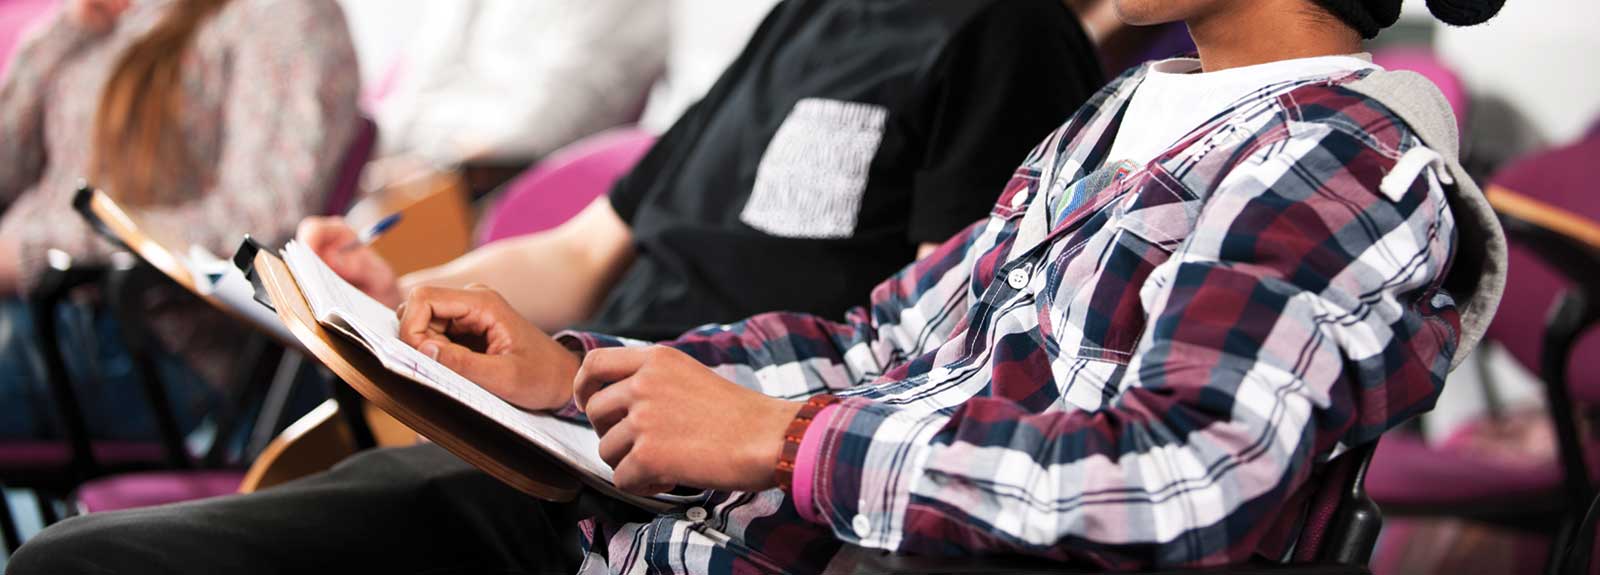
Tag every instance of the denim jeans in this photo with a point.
(113, 400)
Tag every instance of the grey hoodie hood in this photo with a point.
(1477, 277)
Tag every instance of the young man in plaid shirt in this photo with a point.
(1152, 342)
(1216, 277)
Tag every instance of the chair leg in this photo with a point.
(47, 508)
(8, 525)
(269, 420)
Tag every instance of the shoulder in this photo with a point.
(289, 29)
(1333, 108)
(306, 16)
(991, 38)
(1011, 19)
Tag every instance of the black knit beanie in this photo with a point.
(1370, 16)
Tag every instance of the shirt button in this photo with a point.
(1018, 278)
(861, 525)
(696, 514)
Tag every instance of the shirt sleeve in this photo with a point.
(1013, 73)
(23, 91)
(1304, 311)
(290, 117)
(793, 355)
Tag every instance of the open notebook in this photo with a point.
(346, 310)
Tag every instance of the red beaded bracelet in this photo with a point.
(797, 433)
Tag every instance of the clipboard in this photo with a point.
(468, 434)
(120, 228)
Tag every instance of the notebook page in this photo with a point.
(328, 293)
(338, 304)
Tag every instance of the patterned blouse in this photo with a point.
(270, 93)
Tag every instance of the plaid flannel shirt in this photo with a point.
(1143, 380)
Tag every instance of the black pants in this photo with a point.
(398, 511)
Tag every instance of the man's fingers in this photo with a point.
(616, 443)
(603, 366)
(430, 307)
(609, 406)
(634, 475)
(324, 234)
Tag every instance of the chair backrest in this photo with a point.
(1560, 178)
(564, 183)
(348, 179)
(1554, 233)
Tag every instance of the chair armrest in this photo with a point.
(1578, 230)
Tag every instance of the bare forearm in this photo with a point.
(553, 278)
(537, 275)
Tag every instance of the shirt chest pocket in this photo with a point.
(1106, 307)
(813, 174)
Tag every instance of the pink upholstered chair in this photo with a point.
(1555, 274)
(564, 183)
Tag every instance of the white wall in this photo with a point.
(1538, 55)
(379, 28)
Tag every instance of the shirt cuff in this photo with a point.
(869, 458)
(580, 343)
(583, 342)
(805, 465)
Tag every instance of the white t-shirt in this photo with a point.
(518, 79)
(1174, 99)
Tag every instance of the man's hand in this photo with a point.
(476, 333)
(665, 420)
(333, 241)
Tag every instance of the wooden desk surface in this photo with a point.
(164, 255)
(159, 254)
(464, 432)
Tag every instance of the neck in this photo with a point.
(1250, 32)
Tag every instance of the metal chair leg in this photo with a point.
(8, 525)
(1569, 316)
(47, 508)
(269, 420)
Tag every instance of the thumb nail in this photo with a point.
(431, 350)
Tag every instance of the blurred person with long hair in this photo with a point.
(209, 118)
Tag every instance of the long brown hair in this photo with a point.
(138, 141)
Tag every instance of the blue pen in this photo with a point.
(372, 233)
